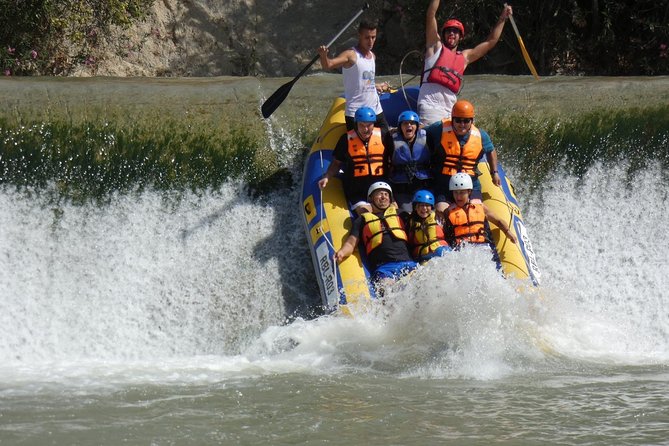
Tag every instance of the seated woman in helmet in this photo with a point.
(466, 222)
(457, 145)
(426, 235)
(362, 155)
(409, 168)
(382, 235)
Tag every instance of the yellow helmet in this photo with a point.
(462, 109)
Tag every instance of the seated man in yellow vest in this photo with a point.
(363, 157)
(382, 235)
(457, 145)
(466, 222)
(426, 235)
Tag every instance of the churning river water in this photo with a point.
(150, 320)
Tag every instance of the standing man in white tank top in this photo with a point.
(358, 67)
(440, 84)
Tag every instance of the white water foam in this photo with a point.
(603, 250)
(145, 289)
(143, 278)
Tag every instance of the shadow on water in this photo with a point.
(286, 243)
(299, 288)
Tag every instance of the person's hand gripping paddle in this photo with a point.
(273, 102)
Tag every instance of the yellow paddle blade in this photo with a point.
(526, 55)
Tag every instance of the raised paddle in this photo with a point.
(279, 95)
(526, 55)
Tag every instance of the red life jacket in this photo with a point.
(448, 70)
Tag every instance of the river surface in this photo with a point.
(151, 319)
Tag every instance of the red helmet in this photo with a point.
(453, 23)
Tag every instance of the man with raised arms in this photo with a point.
(445, 64)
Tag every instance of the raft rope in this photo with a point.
(402, 83)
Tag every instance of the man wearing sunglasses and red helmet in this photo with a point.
(445, 65)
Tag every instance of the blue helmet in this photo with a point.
(423, 196)
(365, 114)
(408, 115)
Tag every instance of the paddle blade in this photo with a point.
(273, 102)
(528, 61)
(526, 55)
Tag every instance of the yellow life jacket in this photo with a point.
(375, 226)
(367, 161)
(425, 236)
(468, 223)
(456, 158)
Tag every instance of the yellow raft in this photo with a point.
(345, 287)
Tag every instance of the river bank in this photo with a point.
(197, 132)
(238, 99)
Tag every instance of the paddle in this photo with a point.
(526, 55)
(279, 95)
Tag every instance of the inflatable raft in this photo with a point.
(327, 218)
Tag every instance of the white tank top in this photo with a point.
(359, 86)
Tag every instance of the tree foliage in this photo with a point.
(591, 37)
(54, 36)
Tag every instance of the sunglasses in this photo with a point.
(462, 120)
(451, 30)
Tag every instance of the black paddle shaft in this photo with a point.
(273, 102)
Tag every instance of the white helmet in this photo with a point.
(379, 185)
(460, 181)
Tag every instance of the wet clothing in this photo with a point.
(388, 246)
(441, 133)
(393, 270)
(469, 226)
(376, 225)
(363, 163)
(466, 224)
(426, 237)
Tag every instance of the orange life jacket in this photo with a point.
(460, 159)
(448, 70)
(375, 226)
(367, 161)
(425, 236)
(468, 223)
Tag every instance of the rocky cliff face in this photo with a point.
(232, 37)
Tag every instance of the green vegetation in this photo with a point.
(636, 137)
(52, 37)
(94, 137)
(94, 159)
